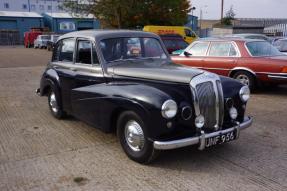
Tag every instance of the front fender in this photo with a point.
(96, 104)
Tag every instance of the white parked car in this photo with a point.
(41, 41)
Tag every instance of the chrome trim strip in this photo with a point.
(167, 145)
(277, 77)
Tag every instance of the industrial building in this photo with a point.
(38, 6)
(65, 22)
(14, 24)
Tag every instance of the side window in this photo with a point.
(66, 50)
(56, 52)
(188, 32)
(84, 52)
(222, 49)
(199, 49)
(233, 51)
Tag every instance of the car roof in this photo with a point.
(103, 34)
(224, 39)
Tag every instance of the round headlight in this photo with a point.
(199, 121)
(169, 109)
(244, 93)
(233, 113)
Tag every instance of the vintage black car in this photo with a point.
(125, 82)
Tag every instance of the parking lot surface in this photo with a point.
(38, 152)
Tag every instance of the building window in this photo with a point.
(24, 6)
(6, 5)
(33, 7)
(41, 7)
(60, 8)
(49, 7)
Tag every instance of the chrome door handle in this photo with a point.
(73, 69)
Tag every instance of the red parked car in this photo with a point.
(252, 62)
(30, 37)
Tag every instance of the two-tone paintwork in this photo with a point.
(97, 94)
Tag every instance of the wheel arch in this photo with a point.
(237, 69)
(139, 109)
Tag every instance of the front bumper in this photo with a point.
(200, 140)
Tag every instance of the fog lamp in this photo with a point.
(233, 113)
(199, 121)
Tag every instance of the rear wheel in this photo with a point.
(246, 78)
(53, 102)
(132, 134)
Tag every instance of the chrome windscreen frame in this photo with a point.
(214, 79)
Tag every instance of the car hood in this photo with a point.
(154, 70)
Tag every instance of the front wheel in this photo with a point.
(132, 134)
(54, 106)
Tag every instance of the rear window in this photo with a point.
(262, 48)
(45, 37)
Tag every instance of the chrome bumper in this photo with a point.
(200, 140)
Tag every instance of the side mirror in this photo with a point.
(187, 54)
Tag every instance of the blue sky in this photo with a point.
(243, 8)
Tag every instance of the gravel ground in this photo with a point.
(38, 152)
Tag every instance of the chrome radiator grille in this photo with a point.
(207, 102)
(208, 99)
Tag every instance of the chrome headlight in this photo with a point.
(233, 113)
(169, 109)
(244, 93)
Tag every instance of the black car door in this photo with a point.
(88, 71)
(63, 64)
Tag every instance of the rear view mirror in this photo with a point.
(187, 54)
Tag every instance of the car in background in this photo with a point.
(125, 82)
(251, 36)
(50, 43)
(186, 32)
(281, 45)
(30, 37)
(173, 42)
(252, 62)
(41, 41)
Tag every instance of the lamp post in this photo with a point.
(192, 18)
(222, 9)
(201, 17)
(29, 6)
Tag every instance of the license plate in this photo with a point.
(220, 139)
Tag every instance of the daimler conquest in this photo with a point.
(125, 82)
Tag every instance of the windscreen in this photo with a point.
(117, 49)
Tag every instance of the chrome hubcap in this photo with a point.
(243, 79)
(134, 136)
(53, 102)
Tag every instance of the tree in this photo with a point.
(133, 13)
(229, 17)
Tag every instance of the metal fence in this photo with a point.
(10, 37)
(277, 30)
